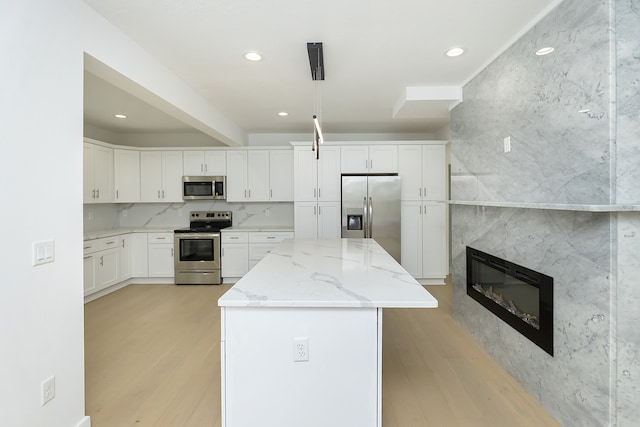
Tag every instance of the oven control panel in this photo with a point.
(210, 215)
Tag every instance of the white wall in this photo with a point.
(41, 309)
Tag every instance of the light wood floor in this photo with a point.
(153, 359)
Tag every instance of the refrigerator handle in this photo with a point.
(365, 220)
(370, 218)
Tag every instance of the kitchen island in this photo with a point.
(301, 339)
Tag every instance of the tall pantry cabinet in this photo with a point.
(423, 169)
(317, 191)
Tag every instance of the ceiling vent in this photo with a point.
(316, 60)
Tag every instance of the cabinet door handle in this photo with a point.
(314, 193)
(424, 191)
(245, 193)
(123, 243)
(117, 194)
(234, 238)
(206, 167)
(249, 193)
(420, 209)
(319, 212)
(163, 194)
(93, 194)
(158, 194)
(88, 257)
(172, 252)
(111, 242)
(86, 247)
(420, 191)
(370, 164)
(98, 193)
(161, 238)
(271, 193)
(271, 237)
(102, 260)
(319, 193)
(201, 167)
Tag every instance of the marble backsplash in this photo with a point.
(109, 216)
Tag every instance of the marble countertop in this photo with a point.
(260, 228)
(328, 273)
(92, 235)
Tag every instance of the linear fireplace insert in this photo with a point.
(521, 297)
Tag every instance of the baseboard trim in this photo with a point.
(85, 422)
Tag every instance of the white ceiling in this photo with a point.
(374, 50)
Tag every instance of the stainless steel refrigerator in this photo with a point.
(371, 209)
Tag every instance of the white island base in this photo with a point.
(302, 335)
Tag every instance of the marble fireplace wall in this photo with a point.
(573, 248)
(573, 121)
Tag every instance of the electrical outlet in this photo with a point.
(43, 252)
(301, 349)
(48, 389)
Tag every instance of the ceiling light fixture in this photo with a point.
(455, 51)
(120, 116)
(544, 51)
(283, 114)
(316, 62)
(252, 56)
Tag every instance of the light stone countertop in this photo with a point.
(355, 273)
(260, 228)
(92, 235)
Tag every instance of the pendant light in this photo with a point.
(316, 62)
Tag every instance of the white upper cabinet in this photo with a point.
(259, 175)
(281, 175)
(205, 163)
(424, 172)
(161, 176)
(97, 174)
(317, 180)
(126, 176)
(369, 159)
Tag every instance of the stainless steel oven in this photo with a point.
(197, 248)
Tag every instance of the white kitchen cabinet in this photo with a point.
(281, 175)
(317, 220)
(160, 254)
(424, 239)
(262, 243)
(161, 176)
(97, 174)
(424, 172)
(101, 264)
(317, 180)
(126, 168)
(139, 255)
(126, 254)
(369, 159)
(89, 265)
(247, 175)
(235, 254)
(205, 163)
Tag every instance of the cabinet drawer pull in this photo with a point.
(271, 237)
(110, 243)
(87, 247)
(161, 238)
(98, 193)
(88, 257)
(158, 194)
(234, 238)
(102, 260)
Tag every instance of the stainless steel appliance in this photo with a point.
(197, 248)
(371, 209)
(204, 188)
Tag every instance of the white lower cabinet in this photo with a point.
(125, 257)
(317, 220)
(160, 254)
(235, 254)
(424, 239)
(101, 264)
(261, 243)
(139, 255)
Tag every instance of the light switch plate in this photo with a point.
(507, 144)
(44, 252)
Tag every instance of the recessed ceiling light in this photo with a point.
(544, 51)
(120, 116)
(455, 51)
(283, 114)
(253, 56)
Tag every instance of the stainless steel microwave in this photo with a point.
(204, 188)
